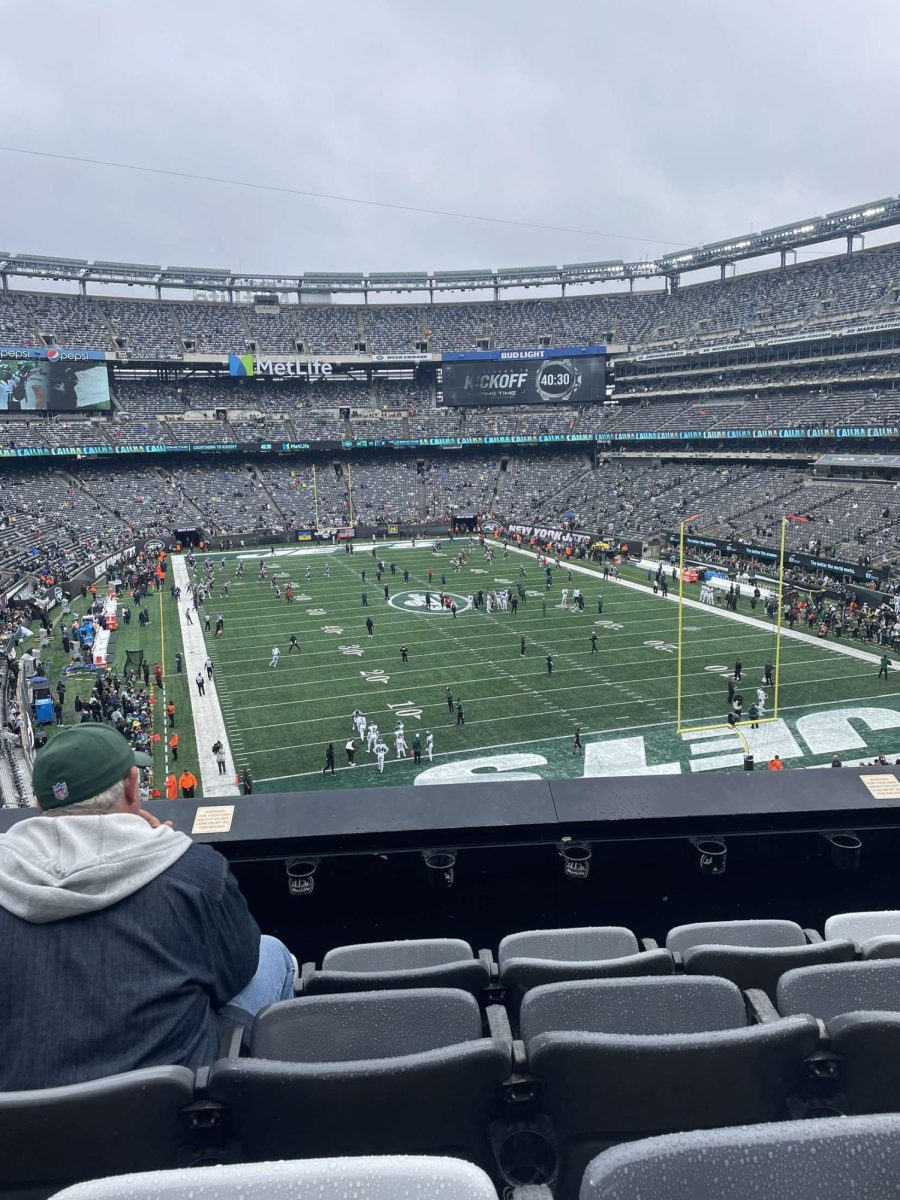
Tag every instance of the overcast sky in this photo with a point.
(665, 121)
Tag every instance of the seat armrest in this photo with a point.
(498, 1024)
(230, 1041)
(760, 1007)
(520, 1058)
(532, 1191)
(487, 957)
(649, 944)
(306, 971)
(813, 937)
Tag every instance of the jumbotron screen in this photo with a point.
(566, 377)
(42, 385)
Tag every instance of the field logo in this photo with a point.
(415, 602)
(241, 364)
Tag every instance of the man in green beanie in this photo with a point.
(125, 943)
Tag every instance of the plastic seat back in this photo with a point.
(52, 1137)
(365, 1074)
(376, 966)
(768, 934)
(620, 1059)
(828, 991)
(375, 1178)
(807, 1160)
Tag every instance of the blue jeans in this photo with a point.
(273, 981)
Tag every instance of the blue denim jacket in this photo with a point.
(137, 984)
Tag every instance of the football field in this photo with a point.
(520, 719)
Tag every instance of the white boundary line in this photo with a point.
(837, 647)
(206, 710)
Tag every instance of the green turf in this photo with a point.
(519, 720)
(280, 720)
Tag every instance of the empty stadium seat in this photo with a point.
(621, 1058)
(860, 1005)
(52, 1137)
(752, 954)
(382, 1178)
(806, 1160)
(397, 1072)
(540, 956)
(377, 966)
(876, 934)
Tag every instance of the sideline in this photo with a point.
(206, 710)
(835, 646)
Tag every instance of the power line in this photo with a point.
(292, 191)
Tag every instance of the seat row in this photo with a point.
(812, 1160)
(427, 1071)
(752, 954)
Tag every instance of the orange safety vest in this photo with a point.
(171, 787)
(187, 780)
(776, 765)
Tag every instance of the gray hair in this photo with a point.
(109, 800)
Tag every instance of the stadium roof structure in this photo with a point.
(849, 223)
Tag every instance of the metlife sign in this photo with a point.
(259, 367)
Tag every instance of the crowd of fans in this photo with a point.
(815, 294)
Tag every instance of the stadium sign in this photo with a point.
(53, 354)
(244, 365)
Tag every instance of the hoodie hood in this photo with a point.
(52, 868)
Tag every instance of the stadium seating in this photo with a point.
(375, 1178)
(620, 1058)
(374, 1072)
(752, 954)
(860, 1006)
(875, 934)
(56, 1136)
(540, 956)
(810, 1160)
(439, 962)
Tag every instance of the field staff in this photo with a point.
(187, 782)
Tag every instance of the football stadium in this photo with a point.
(451, 716)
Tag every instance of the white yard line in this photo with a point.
(209, 725)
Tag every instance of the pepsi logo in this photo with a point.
(52, 355)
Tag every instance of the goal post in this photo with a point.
(692, 727)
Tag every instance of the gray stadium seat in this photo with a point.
(377, 966)
(876, 934)
(397, 1072)
(622, 1058)
(807, 1160)
(752, 954)
(52, 1137)
(382, 1178)
(860, 1004)
(539, 956)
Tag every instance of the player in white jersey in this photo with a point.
(276, 654)
(565, 597)
(371, 737)
(380, 752)
(400, 742)
(429, 745)
(761, 697)
(361, 724)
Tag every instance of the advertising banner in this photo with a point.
(546, 377)
(769, 554)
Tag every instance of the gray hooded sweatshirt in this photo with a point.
(120, 945)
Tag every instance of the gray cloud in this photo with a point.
(658, 119)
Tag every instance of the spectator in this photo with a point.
(124, 942)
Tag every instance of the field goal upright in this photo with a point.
(684, 726)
